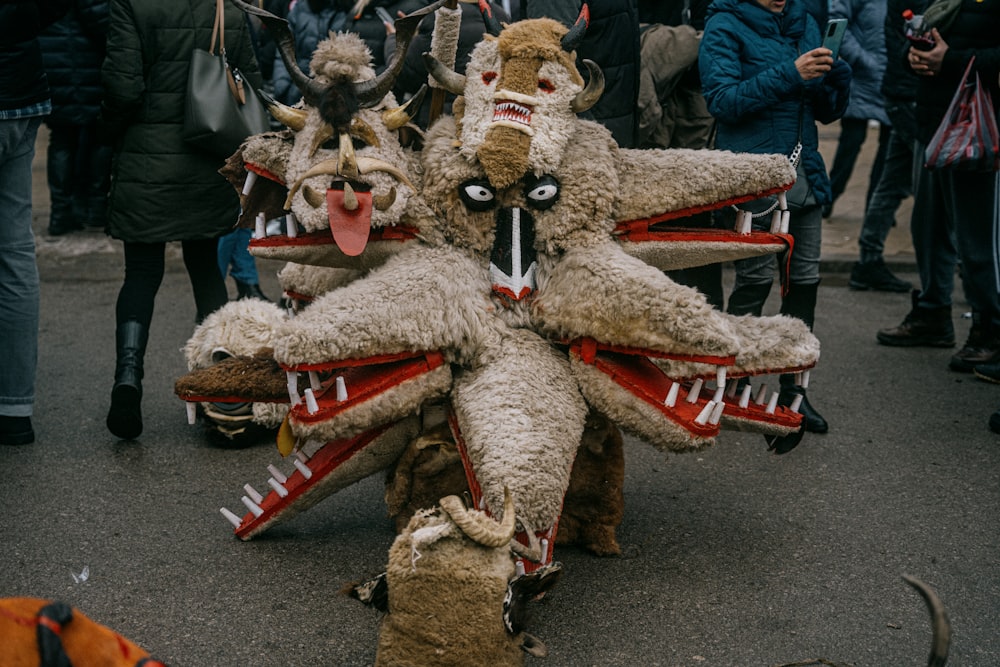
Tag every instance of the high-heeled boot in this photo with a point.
(125, 415)
(800, 302)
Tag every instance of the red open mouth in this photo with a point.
(512, 112)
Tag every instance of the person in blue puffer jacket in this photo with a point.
(767, 80)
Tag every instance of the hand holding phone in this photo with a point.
(834, 35)
(384, 15)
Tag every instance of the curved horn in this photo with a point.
(359, 129)
(313, 197)
(350, 199)
(450, 80)
(572, 39)
(347, 164)
(401, 115)
(941, 628)
(285, 41)
(492, 25)
(588, 97)
(383, 202)
(290, 117)
(367, 165)
(480, 528)
(371, 92)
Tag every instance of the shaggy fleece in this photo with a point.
(602, 293)
(313, 281)
(256, 378)
(239, 328)
(521, 416)
(657, 181)
(445, 600)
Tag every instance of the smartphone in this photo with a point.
(384, 15)
(834, 35)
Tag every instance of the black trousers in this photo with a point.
(144, 266)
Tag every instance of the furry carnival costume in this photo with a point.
(517, 288)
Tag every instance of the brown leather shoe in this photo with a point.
(980, 349)
(923, 327)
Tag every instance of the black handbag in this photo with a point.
(221, 108)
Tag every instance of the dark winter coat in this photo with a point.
(749, 79)
(73, 50)
(612, 41)
(974, 32)
(899, 81)
(371, 29)
(162, 188)
(864, 50)
(22, 75)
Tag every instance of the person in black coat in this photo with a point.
(78, 166)
(24, 99)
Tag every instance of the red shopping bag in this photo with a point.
(967, 138)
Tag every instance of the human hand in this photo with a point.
(839, 75)
(928, 63)
(814, 64)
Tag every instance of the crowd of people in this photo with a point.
(741, 75)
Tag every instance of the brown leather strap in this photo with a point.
(219, 28)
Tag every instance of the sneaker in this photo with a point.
(16, 431)
(979, 350)
(875, 275)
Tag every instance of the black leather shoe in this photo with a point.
(812, 421)
(16, 431)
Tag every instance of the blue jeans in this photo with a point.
(233, 253)
(806, 227)
(894, 185)
(18, 271)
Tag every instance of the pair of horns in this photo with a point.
(570, 40)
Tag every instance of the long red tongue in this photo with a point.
(350, 228)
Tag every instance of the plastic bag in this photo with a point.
(967, 138)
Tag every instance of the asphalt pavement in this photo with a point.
(732, 556)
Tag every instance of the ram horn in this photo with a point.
(371, 92)
(588, 97)
(479, 527)
(572, 39)
(449, 79)
(493, 26)
(940, 627)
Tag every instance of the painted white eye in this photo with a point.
(478, 193)
(542, 193)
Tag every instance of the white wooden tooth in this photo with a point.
(772, 404)
(671, 399)
(311, 405)
(705, 413)
(277, 474)
(232, 518)
(254, 495)
(761, 395)
(260, 228)
(695, 392)
(192, 411)
(745, 396)
(731, 389)
(545, 550)
(776, 221)
(519, 568)
(277, 486)
(719, 393)
(786, 217)
(252, 506)
(720, 376)
(797, 378)
(302, 468)
(248, 184)
(796, 403)
(292, 380)
(805, 380)
(717, 413)
(783, 200)
(341, 389)
(291, 228)
(314, 383)
(301, 456)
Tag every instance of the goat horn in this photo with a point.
(347, 163)
(480, 528)
(350, 199)
(399, 116)
(371, 92)
(449, 79)
(383, 202)
(285, 41)
(290, 117)
(588, 97)
(361, 130)
(493, 26)
(312, 197)
(365, 165)
(941, 628)
(572, 39)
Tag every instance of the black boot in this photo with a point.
(748, 299)
(249, 291)
(923, 327)
(59, 172)
(125, 416)
(800, 302)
